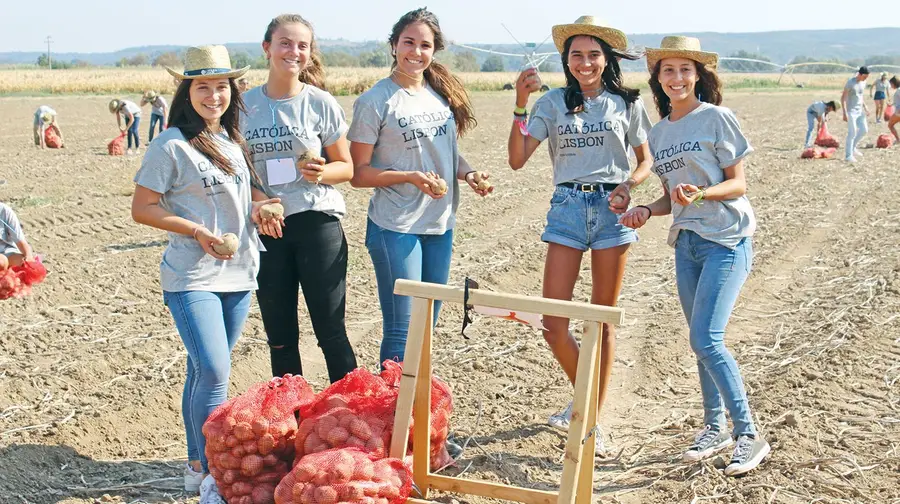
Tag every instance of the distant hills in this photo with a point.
(781, 47)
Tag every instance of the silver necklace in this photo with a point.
(273, 104)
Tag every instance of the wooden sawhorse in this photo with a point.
(576, 485)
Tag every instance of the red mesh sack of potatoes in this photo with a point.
(888, 112)
(824, 138)
(51, 137)
(356, 411)
(827, 153)
(16, 281)
(809, 153)
(345, 476)
(250, 439)
(116, 146)
(441, 409)
(884, 141)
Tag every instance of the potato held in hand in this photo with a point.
(271, 211)
(438, 185)
(229, 245)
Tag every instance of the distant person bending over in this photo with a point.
(892, 123)
(855, 112)
(45, 118)
(132, 114)
(816, 115)
(14, 248)
(243, 84)
(879, 92)
(158, 114)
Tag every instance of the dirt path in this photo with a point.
(91, 366)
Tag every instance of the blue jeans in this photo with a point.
(133, 131)
(209, 324)
(709, 278)
(811, 127)
(154, 120)
(856, 130)
(424, 258)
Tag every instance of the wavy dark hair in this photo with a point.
(895, 82)
(611, 76)
(438, 76)
(314, 72)
(708, 88)
(183, 116)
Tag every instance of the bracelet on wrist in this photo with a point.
(520, 111)
(649, 212)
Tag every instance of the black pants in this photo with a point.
(312, 254)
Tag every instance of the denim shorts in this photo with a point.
(879, 95)
(583, 220)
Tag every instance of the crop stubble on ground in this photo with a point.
(91, 366)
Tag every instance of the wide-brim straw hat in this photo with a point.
(589, 25)
(114, 105)
(151, 95)
(678, 46)
(206, 62)
(46, 117)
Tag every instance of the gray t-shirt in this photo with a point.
(897, 101)
(855, 95)
(590, 146)
(696, 149)
(43, 109)
(881, 85)
(286, 129)
(410, 132)
(195, 189)
(157, 106)
(10, 229)
(817, 108)
(130, 106)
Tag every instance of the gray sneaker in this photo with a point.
(706, 443)
(563, 419)
(748, 453)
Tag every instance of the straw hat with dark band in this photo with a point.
(207, 61)
(114, 106)
(677, 46)
(589, 25)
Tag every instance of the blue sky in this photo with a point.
(103, 25)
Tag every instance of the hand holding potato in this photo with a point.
(426, 183)
(312, 169)
(478, 181)
(266, 216)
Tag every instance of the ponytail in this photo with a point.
(451, 89)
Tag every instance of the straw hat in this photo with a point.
(46, 117)
(677, 46)
(150, 95)
(207, 61)
(114, 105)
(589, 25)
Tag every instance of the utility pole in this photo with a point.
(49, 61)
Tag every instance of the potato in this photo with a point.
(260, 426)
(324, 426)
(476, 177)
(232, 441)
(389, 491)
(618, 200)
(228, 424)
(326, 494)
(337, 437)
(229, 476)
(304, 472)
(309, 495)
(271, 211)
(355, 442)
(352, 492)
(305, 157)
(297, 491)
(243, 431)
(270, 460)
(244, 415)
(238, 451)
(229, 246)
(251, 465)
(312, 442)
(345, 420)
(376, 446)
(484, 185)
(263, 494)
(364, 470)
(266, 444)
(242, 488)
(439, 186)
(340, 473)
(382, 500)
(360, 429)
(250, 446)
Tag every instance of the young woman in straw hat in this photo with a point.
(158, 113)
(297, 137)
(404, 136)
(45, 118)
(591, 124)
(816, 115)
(698, 151)
(195, 183)
(132, 114)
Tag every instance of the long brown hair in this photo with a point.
(438, 76)
(195, 130)
(708, 88)
(314, 71)
(611, 76)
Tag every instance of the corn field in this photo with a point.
(340, 81)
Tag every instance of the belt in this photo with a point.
(589, 187)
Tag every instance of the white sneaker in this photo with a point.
(850, 159)
(706, 443)
(856, 153)
(563, 419)
(748, 453)
(209, 492)
(192, 479)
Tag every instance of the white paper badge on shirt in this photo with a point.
(281, 171)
